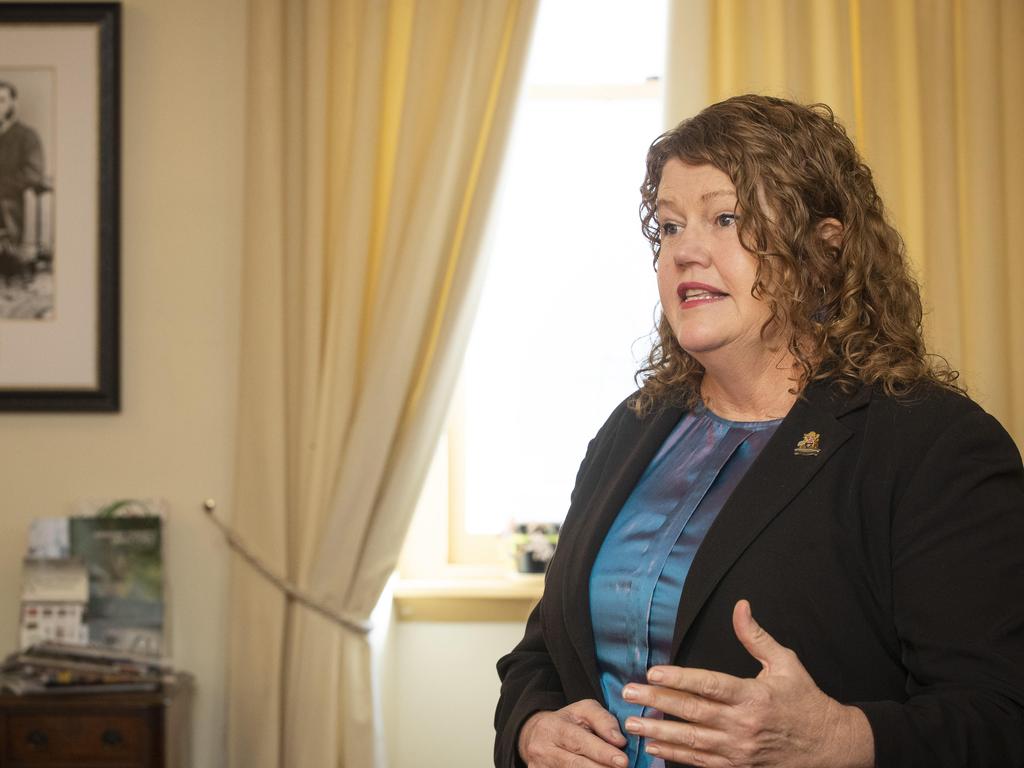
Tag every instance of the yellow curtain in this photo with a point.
(375, 132)
(933, 93)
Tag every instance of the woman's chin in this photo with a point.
(698, 347)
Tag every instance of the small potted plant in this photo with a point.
(533, 545)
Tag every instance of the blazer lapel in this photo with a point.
(778, 474)
(634, 446)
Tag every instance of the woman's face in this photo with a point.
(705, 275)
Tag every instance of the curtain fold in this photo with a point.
(376, 131)
(932, 92)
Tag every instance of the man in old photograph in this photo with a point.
(23, 292)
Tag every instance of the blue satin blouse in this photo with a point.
(637, 579)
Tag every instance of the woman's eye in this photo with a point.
(726, 219)
(670, 228)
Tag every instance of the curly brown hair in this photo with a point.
(853, 309)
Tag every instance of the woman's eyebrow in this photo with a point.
(717, 193)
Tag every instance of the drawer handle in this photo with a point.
(112, 737)
(37, 739)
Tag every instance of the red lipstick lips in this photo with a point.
(694, 294)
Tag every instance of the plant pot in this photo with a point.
(527, 563)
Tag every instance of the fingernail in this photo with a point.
(621, 761)
(629, 692)
(653, 750)
(616, 736)
(632, 725)
(655, 675)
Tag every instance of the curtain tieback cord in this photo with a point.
(291, 592)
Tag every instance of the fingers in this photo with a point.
(576, 736)
(703, 683)
(582, 748)
(693, 744)
(592, 715)
(673, 753)
(685, 735)
(759, 644)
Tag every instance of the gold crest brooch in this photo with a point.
(810, 445)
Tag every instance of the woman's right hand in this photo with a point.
(580, 735)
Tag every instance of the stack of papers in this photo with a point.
(64, 668)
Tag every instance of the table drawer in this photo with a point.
(118, 739)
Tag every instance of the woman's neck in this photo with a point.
(758, 394)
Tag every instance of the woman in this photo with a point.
(793, 454)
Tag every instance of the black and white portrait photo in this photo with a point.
(26, 194)
(59, 206)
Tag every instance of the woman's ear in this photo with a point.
(831, 231)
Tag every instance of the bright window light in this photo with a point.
(570, 297)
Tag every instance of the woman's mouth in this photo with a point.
(695, 294)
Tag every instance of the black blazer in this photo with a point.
(891, 561)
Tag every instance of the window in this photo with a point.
(570, 299)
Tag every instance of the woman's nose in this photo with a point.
(688, 247)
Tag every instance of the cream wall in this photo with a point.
(182, 176)
(441, 692)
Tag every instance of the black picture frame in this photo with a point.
(69, 358)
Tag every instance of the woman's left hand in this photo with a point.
(780, 718)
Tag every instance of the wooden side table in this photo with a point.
(97, 730)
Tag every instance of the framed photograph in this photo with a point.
(60, 114)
